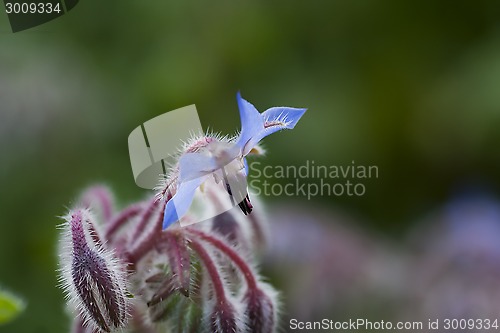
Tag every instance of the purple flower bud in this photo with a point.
(224, 318)
(93, 279)
(261, 308)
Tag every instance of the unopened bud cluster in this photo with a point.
(122, 272)
(138, 270)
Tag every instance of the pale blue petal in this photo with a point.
(246, 166)
(273, 120)
(251, 121)
(195, 165)
(179, 204)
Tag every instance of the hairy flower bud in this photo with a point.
(224, 318)
(91, 277)
(261, 308)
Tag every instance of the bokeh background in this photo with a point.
(412, 87)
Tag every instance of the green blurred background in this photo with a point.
(412, 87)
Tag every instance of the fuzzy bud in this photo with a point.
(224, 318)
(261, 308)
(91, 277)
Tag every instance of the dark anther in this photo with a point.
(246, 205)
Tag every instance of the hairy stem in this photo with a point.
(146, 216)
(220, 293)
(118, 221)
(149, 241)
(230, 253)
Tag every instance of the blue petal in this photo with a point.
(245, 163)
(291, 115)
(195, 165)
(179, 204)
(273, 120)
(251, 121)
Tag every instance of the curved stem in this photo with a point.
(146, 215)
(220, 293)
(230, 253)
(118, 221)
(149, 241)
(178, 258)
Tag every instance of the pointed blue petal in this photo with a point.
(251, 121)
(274, 119)
(179, 204)
(290, 116)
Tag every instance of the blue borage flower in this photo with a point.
(225, 158)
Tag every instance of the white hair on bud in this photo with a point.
(115, 269)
